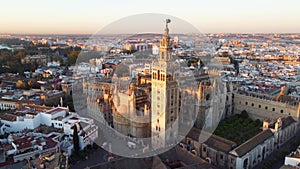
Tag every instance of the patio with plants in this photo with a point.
(238, 128)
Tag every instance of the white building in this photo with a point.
(253, 151)
(59, 118)
(28, 118)
(256, 149)
(53, 64)
(6, 104)
(293, 159)
(141, 47)
(284, 129)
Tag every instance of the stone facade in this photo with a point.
(260, 108)
(227, 154)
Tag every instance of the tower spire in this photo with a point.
(165, 43)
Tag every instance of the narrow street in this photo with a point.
(96, 157)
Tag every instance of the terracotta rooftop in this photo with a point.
(50, 143)
(9, 117)
(23, 140)
(25, 146)
(7, 147)
(39, 108)
(55, 110)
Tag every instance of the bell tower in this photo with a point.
(164, 96)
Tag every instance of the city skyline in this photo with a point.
(74, 17)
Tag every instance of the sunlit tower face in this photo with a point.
(164, 96)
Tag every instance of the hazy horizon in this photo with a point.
(33, 34)
(88, 17)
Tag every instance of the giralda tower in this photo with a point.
(164, 96)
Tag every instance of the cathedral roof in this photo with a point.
(220, 143)
(213, 141)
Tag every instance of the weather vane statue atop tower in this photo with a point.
(168, 21)
(165, 43)
(167, 28)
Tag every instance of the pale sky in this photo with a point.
(208, 16)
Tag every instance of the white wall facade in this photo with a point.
(33, 121)
(7, 105)
(21, 124)
(292, 161)
(255, 156)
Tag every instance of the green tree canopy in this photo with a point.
(76, 140)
